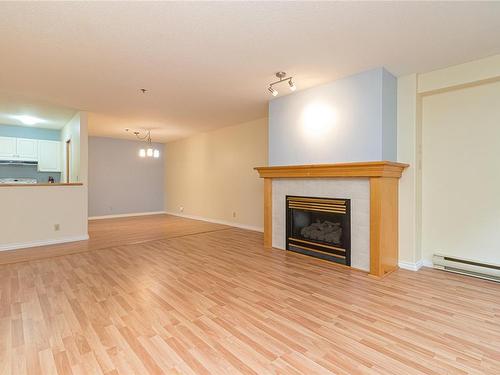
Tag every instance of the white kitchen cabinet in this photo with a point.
(8, 147)
(27, 149)
(49, 156)
(18, 149)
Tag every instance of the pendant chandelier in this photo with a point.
(148, 151)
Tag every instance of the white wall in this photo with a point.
(348, 120)
(29, 213)
(72, 132)
(461, 173)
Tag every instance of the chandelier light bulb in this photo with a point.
(148, 151)
(292, 85)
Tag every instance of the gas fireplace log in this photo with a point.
(325, 231)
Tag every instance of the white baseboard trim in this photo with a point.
(411, 266)
(15, 246)
(427, 263)
(415, 266)
(126, 215)
(217, 221)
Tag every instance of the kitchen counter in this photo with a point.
(43, 184)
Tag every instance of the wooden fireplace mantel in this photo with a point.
(384, 180)
(365, 169)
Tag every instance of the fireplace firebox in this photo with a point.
(319, 227)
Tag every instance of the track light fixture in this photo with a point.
(281, 78)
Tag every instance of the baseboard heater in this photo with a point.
(467, 267)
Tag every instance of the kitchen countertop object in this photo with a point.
(17, 184)
(18, 181)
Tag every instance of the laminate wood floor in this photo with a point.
(115, 232)
(217, 302)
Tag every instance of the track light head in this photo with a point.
(292, 85)
(272, 91)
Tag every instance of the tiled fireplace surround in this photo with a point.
(357, 190)
(372, 188)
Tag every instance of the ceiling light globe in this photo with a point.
(292, 85)
(27, 120)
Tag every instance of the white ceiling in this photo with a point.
(208, 64)
(51, 116)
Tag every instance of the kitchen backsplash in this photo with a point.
(23, 171)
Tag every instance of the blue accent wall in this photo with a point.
(30, 133)
(352, 119)
(389, 116)
(116, 162)
(23, 171)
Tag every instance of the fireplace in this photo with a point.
(372, 188)
(319, 227)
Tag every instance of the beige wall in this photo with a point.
(211, 174)
(460, 173)
(413, 91)
(470, 73)
(408, 185)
